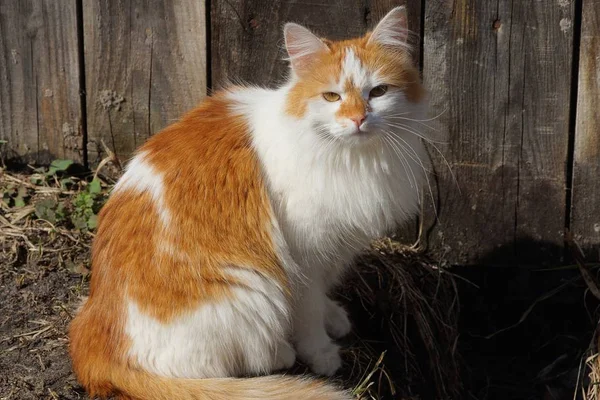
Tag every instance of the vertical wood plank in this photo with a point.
(545, 29)
(40, 107)
(585, 217)
(145, 63)
(247, 36)
(499, 71)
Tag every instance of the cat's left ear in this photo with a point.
(302, 46)
(392, 30)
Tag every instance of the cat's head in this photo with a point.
(353, 90)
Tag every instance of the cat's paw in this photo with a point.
(285, 357)
(337, 322)
(322, 358)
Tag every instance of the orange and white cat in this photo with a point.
(219, 245)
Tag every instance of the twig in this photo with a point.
(34, 334)
(112, 155)
(62, 306)
(53, 394)
(531, 307)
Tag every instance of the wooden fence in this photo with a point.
(517, 84)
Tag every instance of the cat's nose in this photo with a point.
(358, 120)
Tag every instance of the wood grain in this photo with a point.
(247, 36)
(40, 107)
(145, 63)
(500, 74)
(585, 216)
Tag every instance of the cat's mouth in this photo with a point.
(359, 136)
(346, 136)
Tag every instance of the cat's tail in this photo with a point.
(135, 384)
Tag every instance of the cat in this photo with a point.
(219, 246)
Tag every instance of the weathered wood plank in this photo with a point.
(247, 36)
(145, 63)
(585, 217)
(40, 106)
(499, 71)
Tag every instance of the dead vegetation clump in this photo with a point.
(592, 390)
(407, 305)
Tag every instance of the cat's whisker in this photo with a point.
(424, 120)
(417, 159)
(406, 166)
(395, 150)
(413, 130)
(409, 130)
(391, 138)
(430, 191)
(397, 114)
(416, 121)
(330, 140)
(425, 170)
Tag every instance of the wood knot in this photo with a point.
(253, 23)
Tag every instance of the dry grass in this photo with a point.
(44, 268)
(413, 303)
(592, 391)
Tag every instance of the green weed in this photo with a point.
(58, 196)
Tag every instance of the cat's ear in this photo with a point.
(392, 30)
(302, 46)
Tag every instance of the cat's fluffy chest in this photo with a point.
(337, 212)
(328, 197)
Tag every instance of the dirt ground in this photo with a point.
(39, 295)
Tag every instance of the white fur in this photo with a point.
(142, 177)
(332, 194)
(337, 322)
(301, 45)
(354, 71)
(392, 30)
(242, 335)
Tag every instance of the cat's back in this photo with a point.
(204, 138)
(208, 154)
(191, 191)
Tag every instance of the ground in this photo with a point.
(518, 332)
(39, 294)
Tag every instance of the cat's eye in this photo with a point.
(378, 91)
(331, 96)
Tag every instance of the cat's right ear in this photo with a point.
(302, 46)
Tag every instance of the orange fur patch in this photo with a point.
(354, 106)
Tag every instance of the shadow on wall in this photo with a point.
(16, 162)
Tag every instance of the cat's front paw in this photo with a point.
(285, 357)
(323, 358)
(337, 322)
